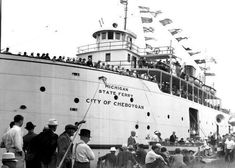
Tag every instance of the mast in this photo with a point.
(125, 2)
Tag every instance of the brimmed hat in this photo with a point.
(85, 133)
(52, 122)
(130, 147)
(113, 149)
(70, 126)
(157, 132)
(9, 157)
(158, 145)
(29, 125)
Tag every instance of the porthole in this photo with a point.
(76, 100)
(182, 118)
(168, 116)
(23, 107)
(148, 114)
(131, 99)
(42, 89)
(188, 130)
(148, 127)
(115, 97)
(136, 126)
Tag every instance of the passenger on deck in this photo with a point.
(6, 51)
(173, 138)
(89, 62)
(131, 140)
(157, 137)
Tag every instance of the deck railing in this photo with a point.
(117, 45)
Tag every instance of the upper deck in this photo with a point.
(189, 88)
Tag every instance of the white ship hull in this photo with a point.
(110, 120)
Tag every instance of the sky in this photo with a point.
(60, 26)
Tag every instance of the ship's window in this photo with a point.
(136, 126)
(115, 97)
(73, 109)
(128, 57)
(148, 114)
(131, 99)
(76, 100)
(182, 118)
(23, 107)
(117, 36)
(42, 89)
(103, 35)
(148, 127)
(168, 116)
(107, 57)
(110, 35)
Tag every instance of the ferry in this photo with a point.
(117, 87)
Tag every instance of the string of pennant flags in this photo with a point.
(149, 29)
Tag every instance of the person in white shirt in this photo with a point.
(152, 158)
(82, 152)
(229, 147)
(13, 140)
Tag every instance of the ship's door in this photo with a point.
(193, 123)
(133, 61)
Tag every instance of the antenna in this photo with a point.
(125, 2)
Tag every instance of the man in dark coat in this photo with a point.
(173, 138)
(131, 140)
(42, 148)
(63, 142)
(27, 139)
(110, 158)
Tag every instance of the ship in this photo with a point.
(116, 87)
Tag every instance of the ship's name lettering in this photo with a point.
(116, 87)
(122, 104)
(115, 103)
(115, 93)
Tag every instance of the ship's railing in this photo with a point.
(115, 45)
(177, 86)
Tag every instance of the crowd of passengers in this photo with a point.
(142, 63)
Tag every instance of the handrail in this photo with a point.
(114, 45)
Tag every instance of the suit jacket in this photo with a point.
(63, 143)
(44, 146)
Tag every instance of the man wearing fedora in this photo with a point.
(63, 142)
(9, 160)
(27, 139)
(83, 153)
